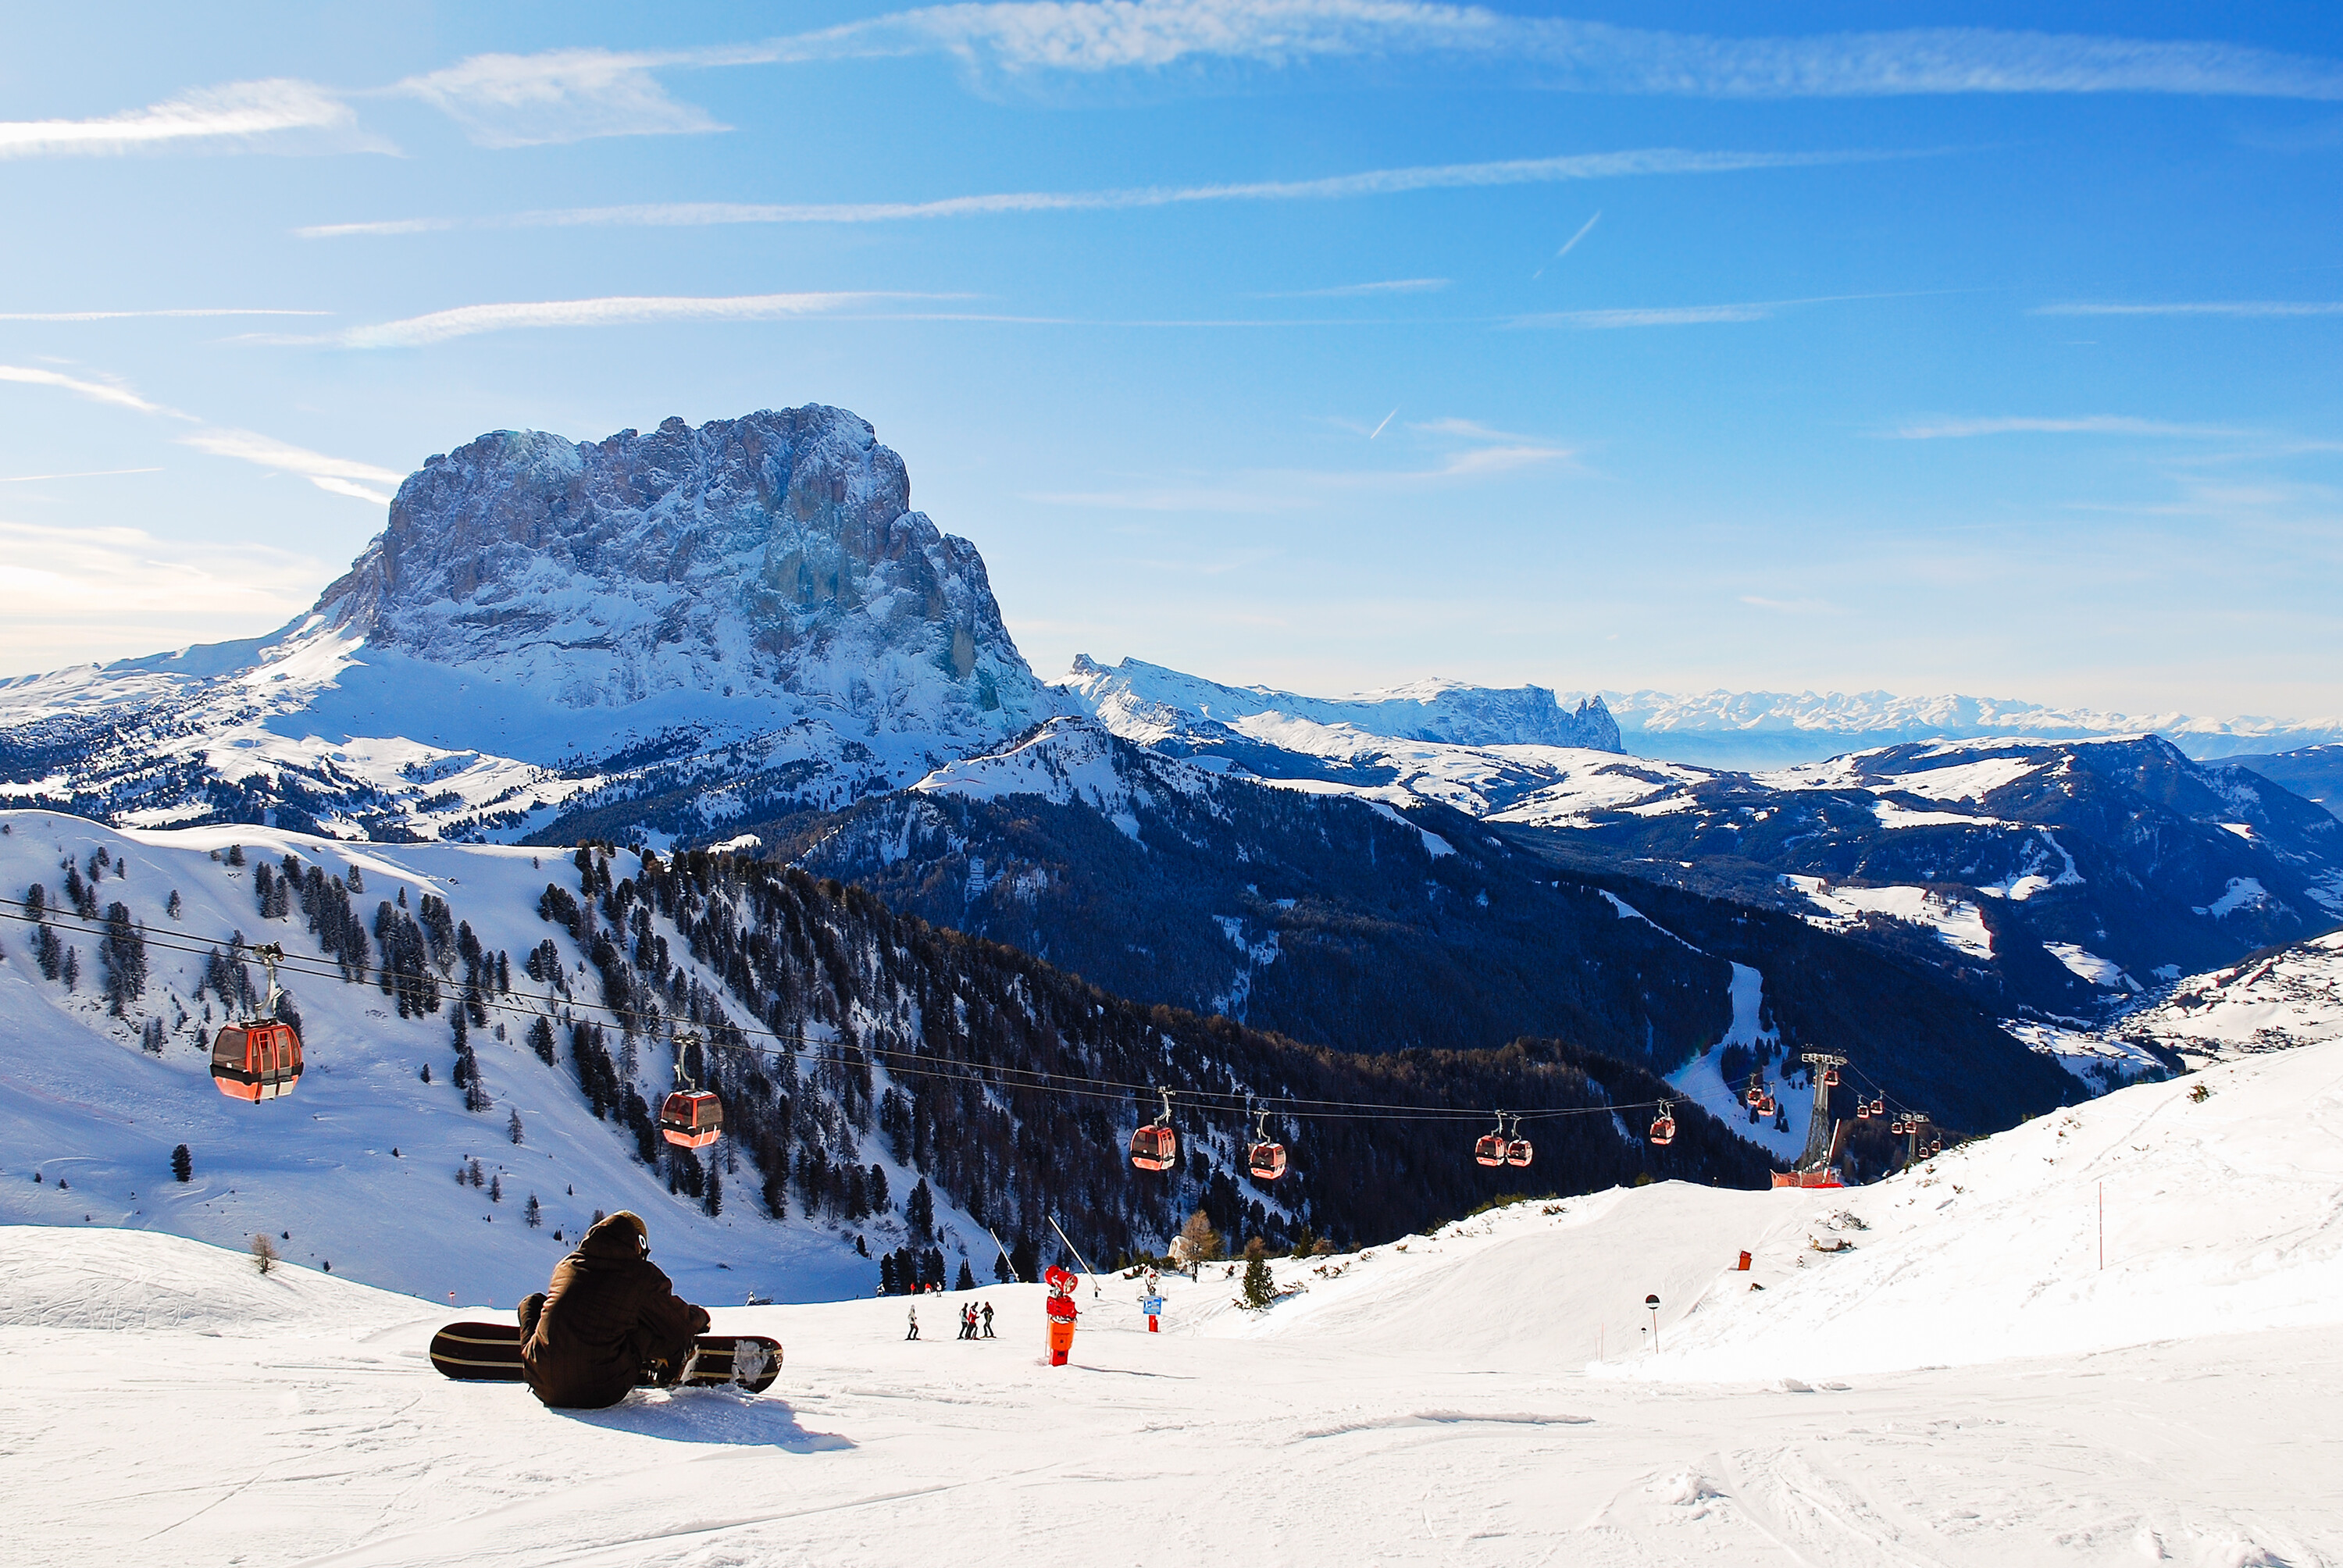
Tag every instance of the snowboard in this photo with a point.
(491, 1353)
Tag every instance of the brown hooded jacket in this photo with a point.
(608, 1314)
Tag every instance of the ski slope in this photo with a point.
(1965, 1386)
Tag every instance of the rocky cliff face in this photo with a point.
(657, 632)
(773, 554)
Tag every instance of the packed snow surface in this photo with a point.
(1962, 1383)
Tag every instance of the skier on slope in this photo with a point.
(610, 1315)
(915, 1323)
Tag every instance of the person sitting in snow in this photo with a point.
(609, 1316)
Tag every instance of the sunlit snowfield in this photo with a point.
(1964, 1385)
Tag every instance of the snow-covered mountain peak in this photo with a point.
(746, 609)
(1148, 703)
(775, 554)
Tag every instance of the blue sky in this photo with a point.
(1324, 343)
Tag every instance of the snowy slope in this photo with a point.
(82, 1104)
(1426, 1400)
(2272, 1001)
(2223, 1214)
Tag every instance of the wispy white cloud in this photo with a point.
(1492, 451)
(1654, 316)
(1501, 461)
(1371, 182)
(94, 593)
(614, 310)
(561, 96)
(2246, 307)
(120, 396)
(387, 226)
(132, 315)
(1363, 291)
(1028, 43)
(340, 476)
(1688, 314)
(85, 474)
(1173, 498)
(2087, 425)
(276, 116)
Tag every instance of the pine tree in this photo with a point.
(533, 1211)
(73, 967)
(171, 905)
(480, 1177)
(1260, 1285)
(264, 1252)
(183, 1164)
(878, 1203)
(888, 1282)
(540, 1039)
(496, 1189)
(967, 1280)
(236, 854)
(512, 1127)
(715, 1199)
(122, 952)
(357, 881)
(920, 1211)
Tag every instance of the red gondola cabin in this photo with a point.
(1154, 1147)
(1517, 1153)
(1663, 1131)
(256, 1062)
(691, 1119)
(1266, 1162)
(1490, 1150)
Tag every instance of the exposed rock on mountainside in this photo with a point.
(775, 555)
(749, 607)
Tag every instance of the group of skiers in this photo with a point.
(975, 1322)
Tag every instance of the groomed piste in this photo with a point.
(1935, 1369)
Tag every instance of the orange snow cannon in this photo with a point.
(1062, 1312)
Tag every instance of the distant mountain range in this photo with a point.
(740, 634)
(1771, 729)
